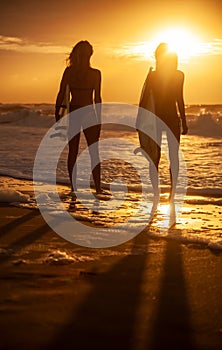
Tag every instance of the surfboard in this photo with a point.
(146, 123)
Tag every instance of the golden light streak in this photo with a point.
(181, 40)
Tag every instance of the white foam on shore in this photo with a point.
(199, 222)
(13, 196)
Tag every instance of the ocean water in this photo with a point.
(24, 126)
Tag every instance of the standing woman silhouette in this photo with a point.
(166, 84)
(85, 87)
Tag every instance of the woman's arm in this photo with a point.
(97, 95)
(180, 102)
(61, 93)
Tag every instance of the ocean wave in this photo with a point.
(27, 118)
(195, 195)
(205, 192)
(205, 121)
(205, 125)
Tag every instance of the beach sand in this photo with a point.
(149, 293)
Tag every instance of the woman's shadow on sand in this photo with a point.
(107, 319)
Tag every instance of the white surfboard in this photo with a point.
(146, 124)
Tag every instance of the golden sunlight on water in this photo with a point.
(165, 217)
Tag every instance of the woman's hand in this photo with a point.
(184, 127)
(99, 130)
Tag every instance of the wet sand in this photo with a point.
(149, 293)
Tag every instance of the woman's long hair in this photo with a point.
(79, 58)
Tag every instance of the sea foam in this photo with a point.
(11, 196)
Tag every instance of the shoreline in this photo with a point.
(198, 222)
(210, 192)
(149, 231)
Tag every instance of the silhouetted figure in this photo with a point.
(166, 84)
(85, 87)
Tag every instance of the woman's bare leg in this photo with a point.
(173, 146)
(92, 138)
(72, 156)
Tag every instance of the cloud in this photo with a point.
(21, 45)
(212, 48)
(139, 51)
(143, 51)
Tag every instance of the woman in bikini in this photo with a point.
(85, 87)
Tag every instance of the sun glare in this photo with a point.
(181, 41)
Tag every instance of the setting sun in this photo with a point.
(180, 40)
(183, 41)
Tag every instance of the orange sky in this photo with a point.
(36, 36)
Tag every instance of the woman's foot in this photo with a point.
(101, 192)
(73, 195)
